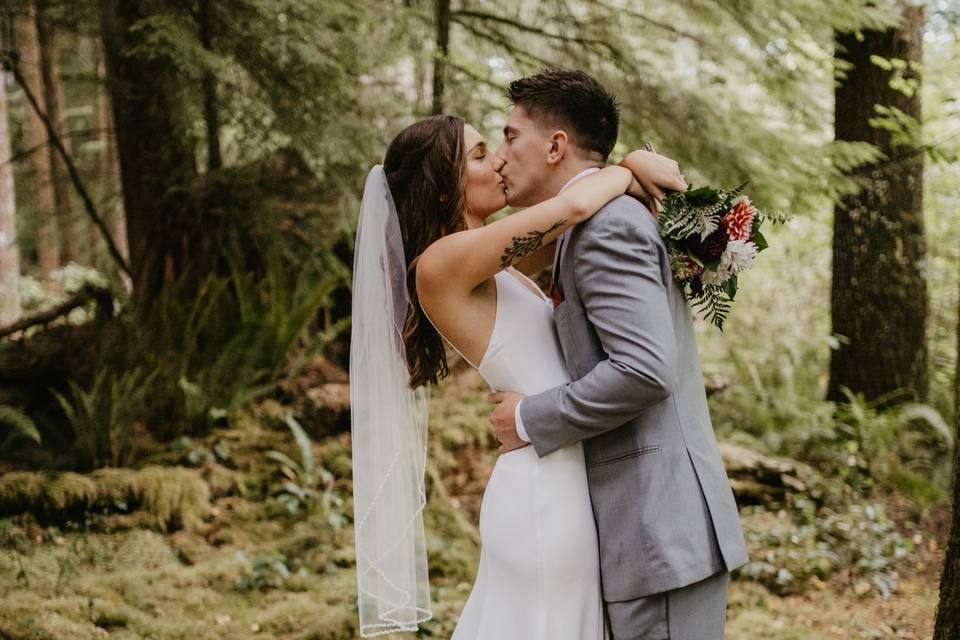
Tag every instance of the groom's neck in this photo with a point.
(563, 174)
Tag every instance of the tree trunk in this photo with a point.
(948, 611)
(9, 254)
(879, 294)
(35, 141)
(440, 55)
(68, 220)
(210, 115)
(111, 201)
(155, 150)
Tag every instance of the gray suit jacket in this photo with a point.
(665, 513)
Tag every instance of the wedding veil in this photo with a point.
(389, 428)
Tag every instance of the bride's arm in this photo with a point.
(654, 173)
(537, 262)
(465, 259)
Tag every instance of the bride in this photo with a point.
(427, 269)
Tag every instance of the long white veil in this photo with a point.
(389, 428)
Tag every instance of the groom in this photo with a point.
(667, 523)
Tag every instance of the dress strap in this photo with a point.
(447, 341)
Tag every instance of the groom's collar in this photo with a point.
(585, 172)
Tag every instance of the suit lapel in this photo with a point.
(557, 256)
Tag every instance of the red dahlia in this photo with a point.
(715, 243)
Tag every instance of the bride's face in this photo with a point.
(484, 189)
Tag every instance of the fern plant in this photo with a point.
(15, 425)
(302, 488)
(102, 417)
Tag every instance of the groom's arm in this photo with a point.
(620, 282)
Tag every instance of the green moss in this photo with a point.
(168, 498)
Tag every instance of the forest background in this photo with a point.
(179, 186)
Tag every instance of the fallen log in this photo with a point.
(761, 479)
(101, 295)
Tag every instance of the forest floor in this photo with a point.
(252, 568)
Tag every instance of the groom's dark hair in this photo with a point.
(573, 101)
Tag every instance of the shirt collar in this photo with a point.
(585, 172)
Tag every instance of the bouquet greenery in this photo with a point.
(712, 236)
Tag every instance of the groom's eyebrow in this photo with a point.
(507, 130)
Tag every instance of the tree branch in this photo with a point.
(89, 292)
(490, 17)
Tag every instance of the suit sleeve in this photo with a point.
(620, 282)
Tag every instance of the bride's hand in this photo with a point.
(654, 173)
(636, 190)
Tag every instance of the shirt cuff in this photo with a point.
(521, 432)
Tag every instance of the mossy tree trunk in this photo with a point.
(155, 148)
(948, 611)
(879, 294)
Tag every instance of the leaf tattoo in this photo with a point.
(526, 244)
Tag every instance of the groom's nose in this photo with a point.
(501, 154)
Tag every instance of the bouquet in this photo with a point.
(712, 236)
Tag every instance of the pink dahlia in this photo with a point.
(738, 221)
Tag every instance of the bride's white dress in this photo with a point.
(539, 573)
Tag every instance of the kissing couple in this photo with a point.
(608, 514)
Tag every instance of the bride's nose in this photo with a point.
(497, 162)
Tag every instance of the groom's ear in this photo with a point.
(558, 146)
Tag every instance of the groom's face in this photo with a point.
(524, 153)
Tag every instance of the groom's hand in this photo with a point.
(503, 420)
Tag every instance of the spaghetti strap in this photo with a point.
(440, 333)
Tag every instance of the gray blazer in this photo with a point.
(665, 513)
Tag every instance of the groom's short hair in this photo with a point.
(573, 101)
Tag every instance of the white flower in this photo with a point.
(710, 225)
(709, 276)
(738, 255)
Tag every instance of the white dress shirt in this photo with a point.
(521, 432)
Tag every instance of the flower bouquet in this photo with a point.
(712, 235)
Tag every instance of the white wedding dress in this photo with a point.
(539, 573)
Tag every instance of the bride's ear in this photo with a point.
(557, 148)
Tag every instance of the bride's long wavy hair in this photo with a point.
(426, 172)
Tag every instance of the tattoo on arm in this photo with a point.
(526, 244)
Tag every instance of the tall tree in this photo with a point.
(110, 198)
(154, 145)
(948, 610)
(9, 254)
(68, 220)
(441, 54)
(210, 112)
(35, 141)
(879, 294)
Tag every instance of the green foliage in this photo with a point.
(262, 571)
(226, 345)
(790, 549)
(301, 491)
(908, 447)
(102, 417)
(16, 425)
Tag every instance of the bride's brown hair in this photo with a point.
(426, 171)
